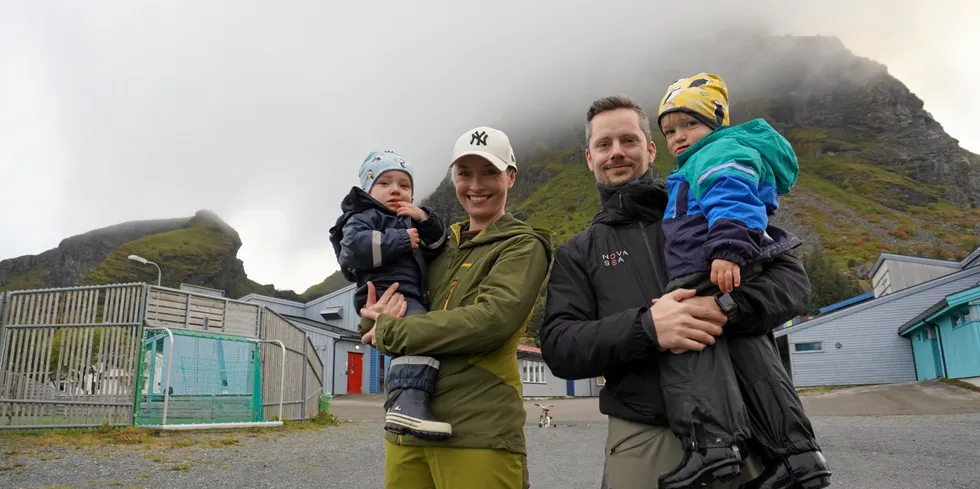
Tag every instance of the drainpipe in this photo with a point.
(942, 352)
(333, 369)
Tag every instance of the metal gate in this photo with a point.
(68, 356)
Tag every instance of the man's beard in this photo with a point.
(618, 178)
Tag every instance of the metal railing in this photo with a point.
(69, 356)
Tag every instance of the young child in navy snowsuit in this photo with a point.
(721, 196)
(383, 238)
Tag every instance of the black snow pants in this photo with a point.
(735, 391)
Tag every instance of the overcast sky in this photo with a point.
(262, 111)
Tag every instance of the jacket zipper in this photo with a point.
(451, 288)
(646, 241)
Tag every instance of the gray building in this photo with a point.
(331, 322)
(859, 344)
(349, 367)
(538, 381)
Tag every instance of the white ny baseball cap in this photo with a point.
(488, 143)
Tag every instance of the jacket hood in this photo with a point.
(776, 152)
(644, 199)
(506, 227)
(356, 201)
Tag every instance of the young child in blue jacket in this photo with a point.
(721, 197)
(382, 238)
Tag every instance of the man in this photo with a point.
(606, 314)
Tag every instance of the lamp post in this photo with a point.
(145, 262)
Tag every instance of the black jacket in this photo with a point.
(597, 318)
(371, 244)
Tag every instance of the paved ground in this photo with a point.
(874, 451)
(911, 398)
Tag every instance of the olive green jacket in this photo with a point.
(482, 292)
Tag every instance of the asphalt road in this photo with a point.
(865, 452)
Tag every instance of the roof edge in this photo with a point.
(877, 301)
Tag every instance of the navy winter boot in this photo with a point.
(411, 382)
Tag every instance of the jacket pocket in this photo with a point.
(627, 436)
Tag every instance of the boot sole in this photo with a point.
(818, 482)
(419, 428)
(723, 473)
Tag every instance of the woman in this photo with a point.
(482, 289)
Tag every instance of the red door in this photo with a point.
(354, 372)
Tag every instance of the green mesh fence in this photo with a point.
(213, 379)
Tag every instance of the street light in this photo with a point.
(145, 262)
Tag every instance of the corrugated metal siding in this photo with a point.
(343, 298)
(373, 371)
(871, 351)
(275, 306)
(961, 347)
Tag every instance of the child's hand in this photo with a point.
(725, 274)
(413, 235)
(411, 210)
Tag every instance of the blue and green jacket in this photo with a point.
(721, 195)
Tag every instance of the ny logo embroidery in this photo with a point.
(478, 138)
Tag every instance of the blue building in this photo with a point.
(946, 337)
(349, 367)
(858, 344)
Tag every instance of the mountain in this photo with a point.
(199, 250)
(878, 173)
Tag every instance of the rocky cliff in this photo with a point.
(878, 172)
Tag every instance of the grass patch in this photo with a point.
(28, 441)
(104, 435)
(321, 420)
(960, 383)
(184, 466)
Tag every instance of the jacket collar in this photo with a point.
(358, 201)
(640, 200)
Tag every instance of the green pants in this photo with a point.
(408, 467)
(637, 455)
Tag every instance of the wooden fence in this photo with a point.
(186, 310)
(69, 356)
(304, 370)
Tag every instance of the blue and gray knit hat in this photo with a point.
(379, 162)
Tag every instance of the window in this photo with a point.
(600, 380)
(808, 347)
(931, 333)
(960, 318)
(533, 372)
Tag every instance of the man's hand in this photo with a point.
(684, 322)
(725, 274)
(411, 210)
(413, 235)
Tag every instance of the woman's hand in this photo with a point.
(390, 303)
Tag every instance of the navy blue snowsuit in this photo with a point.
(371, 244)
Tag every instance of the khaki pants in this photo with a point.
(637, 455)
(409, 467)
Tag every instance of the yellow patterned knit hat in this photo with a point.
(704, 96)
